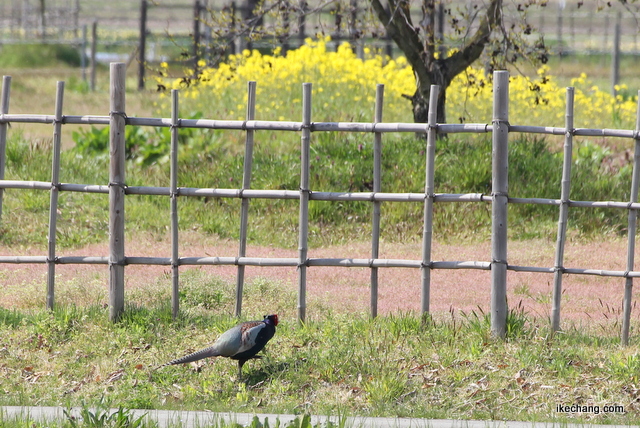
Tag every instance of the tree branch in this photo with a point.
(472, 50)
(406, 37)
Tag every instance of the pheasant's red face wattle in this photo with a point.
(274, 319)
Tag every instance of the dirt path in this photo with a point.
(588, 299)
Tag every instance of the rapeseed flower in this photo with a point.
(344, 90)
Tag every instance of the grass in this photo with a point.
(398, 365)
(339, 163)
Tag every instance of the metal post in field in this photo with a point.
(631, 235)
(303, 222)
(197, 11)
(564, 212)
(117, 123)
(142, 44)
(499, 192)
(83, 55)
(246, 184)
(377, 185)
(175, 271)
(55, 191)
(427, 229)
(615, 56)
(92, 63)
(4, 109)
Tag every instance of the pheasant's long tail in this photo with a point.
(198, 355)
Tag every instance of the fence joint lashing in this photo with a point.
(124, 186)
(428, 265)
(119, 113)
(500, 122)
(176, 125)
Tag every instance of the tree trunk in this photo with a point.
(420, 102)
(417, 42)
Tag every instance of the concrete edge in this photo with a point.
(201, 419)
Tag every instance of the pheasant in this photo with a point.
(241, 343)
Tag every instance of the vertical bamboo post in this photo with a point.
(4, 109)
(304, 201)
(175, 260)
(631, 237)
(377, 185)
(564, 211)
(427, 230)
(246, 184)
(499, 190)
(117, 123)
(55, 191)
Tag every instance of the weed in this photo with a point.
(102, 417)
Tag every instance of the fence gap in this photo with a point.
(499, 193)
(377, 187)
(117, 123)
(564, 211)
(429, 193)
(55, 192)
(246, 184)
(631, 236)
(175, 260)
(4, 109)
(304, 201)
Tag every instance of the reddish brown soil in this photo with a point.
(585, 298)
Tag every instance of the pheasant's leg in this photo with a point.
(240, 364)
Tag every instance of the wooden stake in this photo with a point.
(429, 190)
(4, 109)
(500, 185)
(117, 123)
(246, 184)
(631, 235)
(55, 191)
(564, 212)
(175, 260)
(377, 186)
(304, 201)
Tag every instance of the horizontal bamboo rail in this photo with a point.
(259, 125)
(500, 128)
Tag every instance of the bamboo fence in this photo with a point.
(499, 198)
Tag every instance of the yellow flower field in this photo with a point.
(344, 90)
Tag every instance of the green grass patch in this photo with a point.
(348, 364)
(38, 55)
(339, 163)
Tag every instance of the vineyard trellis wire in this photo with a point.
(499, 197)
